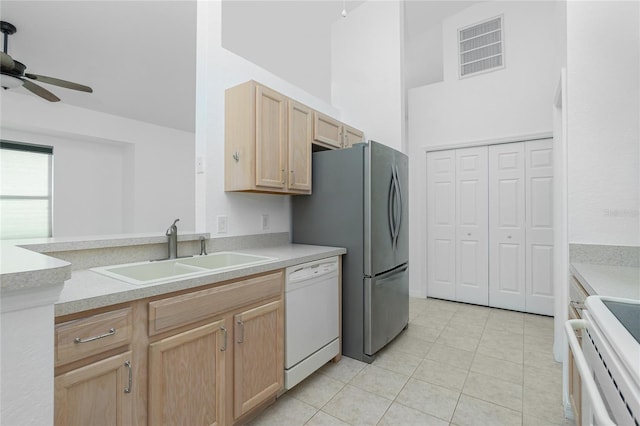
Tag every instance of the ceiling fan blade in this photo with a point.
(6, 62)
(57, 82)
(40, 91)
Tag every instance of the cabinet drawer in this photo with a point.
(577, 293)
(174, 312)
(92, 335)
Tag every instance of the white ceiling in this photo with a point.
(140, 56)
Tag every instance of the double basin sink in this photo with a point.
(143, 273)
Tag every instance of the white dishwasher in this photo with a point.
(312, 312)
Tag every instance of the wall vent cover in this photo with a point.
(481, 47)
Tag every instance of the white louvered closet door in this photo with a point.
(539, 234)
(441, 226)
(507, 226)
(472, 225)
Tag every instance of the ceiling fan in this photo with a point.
(13, 73)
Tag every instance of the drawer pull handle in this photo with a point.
(111, 332)
(128, 365)
(224, 332)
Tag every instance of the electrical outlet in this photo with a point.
(264, 221)
(222, 224)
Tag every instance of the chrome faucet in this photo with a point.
(172, 240)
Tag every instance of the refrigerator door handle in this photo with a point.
(391, 208)
(399, 202)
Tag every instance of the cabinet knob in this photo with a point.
(236, 156)
(509, 236)
(468, 234)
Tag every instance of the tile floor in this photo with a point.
(456, 364)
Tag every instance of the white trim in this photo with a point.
(488, 142)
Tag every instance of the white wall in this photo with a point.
(284, 38)
(111, 174)
(603, 66)
(220, 70)
(506, 103)
(367, 70)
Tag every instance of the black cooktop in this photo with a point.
(628, 314)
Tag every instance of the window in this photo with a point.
(25, 190)
(481, 47)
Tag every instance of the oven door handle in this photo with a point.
(599, 409)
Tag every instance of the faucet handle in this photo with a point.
(173, 229)
(203, 246)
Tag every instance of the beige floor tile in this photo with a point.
(441, 374)
(503, 336)
(464, 328)
(542, 360)
(507, 323)
(428, 398)
(410, 345)
(344, 371)
(397, 361)
(538, 343)
(543, 379)
(385, 383)
(453, 356)
(498, 368)
(536, 421)
(430, 321)
(475, 412)
(323, 419)
(356, 406)
(451, 337)
(285, 411)
(494, 390)
(316, 390)
(539, 320)
(398, 414)
(544, 405)
(429, 334)
(498, 349)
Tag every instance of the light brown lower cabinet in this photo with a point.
(96, 394)
(259, 357)
(209, 356)
(186, 377)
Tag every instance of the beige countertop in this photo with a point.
(88, 289)
(608, 280)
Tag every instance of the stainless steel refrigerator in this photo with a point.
(360, 201)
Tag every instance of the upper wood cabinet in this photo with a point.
(327, 131)
(333, 134)
(267, 141)
(351, 136)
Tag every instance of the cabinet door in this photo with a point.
(472, 244)
(441, 224)
(97, 394)
(258, 356)
(351, 136)
(327, 131)
(271, 138)
(539, 200)
(300, 134)
(186, 377)
(507, 226)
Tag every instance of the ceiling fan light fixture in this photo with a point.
(9, 81)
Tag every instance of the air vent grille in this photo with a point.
(481, 47)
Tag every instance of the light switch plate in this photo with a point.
(222, 224)
(264, 222)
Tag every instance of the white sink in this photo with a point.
(144, 273)
(224, 260)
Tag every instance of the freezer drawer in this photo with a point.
(386, 307)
